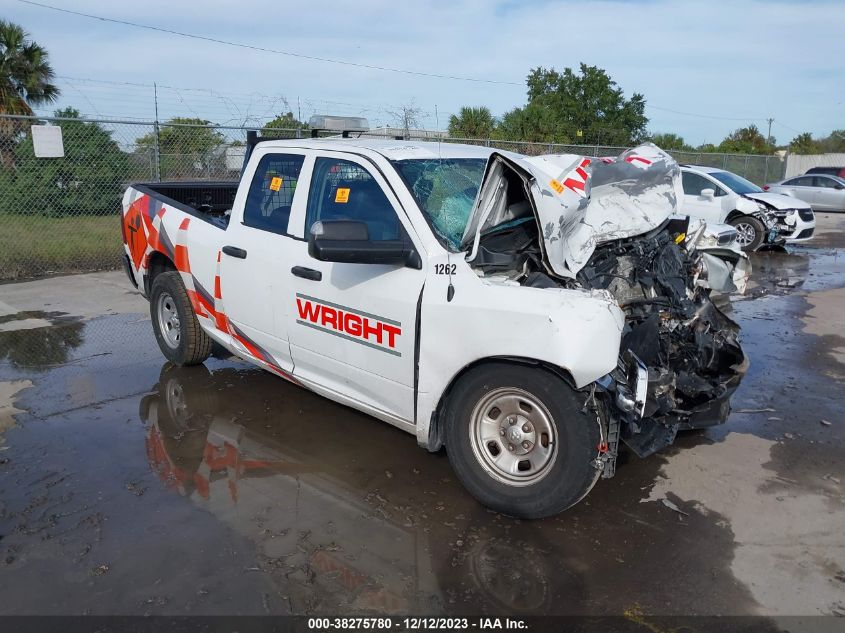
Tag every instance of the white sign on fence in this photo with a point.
(47, 141)
(235, 157)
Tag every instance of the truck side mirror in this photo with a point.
(708, 193)
(348, 242)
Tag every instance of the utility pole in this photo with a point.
(769, 135)
(157, 150)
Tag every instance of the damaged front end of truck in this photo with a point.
(681, 357)
(567, 221)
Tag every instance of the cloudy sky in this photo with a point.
(704, 67)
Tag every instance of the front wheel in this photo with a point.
(177, 331)
(750, 232)
(520, 441)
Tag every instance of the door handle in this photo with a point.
(234, 251)
(307, 273)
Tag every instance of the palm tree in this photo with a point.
(472, 123)
(25, 82)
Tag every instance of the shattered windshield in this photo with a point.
(445, 189)
(735, 183)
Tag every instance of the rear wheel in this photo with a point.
(177, 331)
(750, 232)
(519, 441)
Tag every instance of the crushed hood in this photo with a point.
(579, 201)
(778, 201)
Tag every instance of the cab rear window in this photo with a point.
(271, 192)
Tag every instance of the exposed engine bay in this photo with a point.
(680, 357)
(688, 346)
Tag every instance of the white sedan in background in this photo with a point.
(760, 217)
(823, 192)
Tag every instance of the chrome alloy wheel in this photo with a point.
(168, 320)
(745, 233)
(513, 436)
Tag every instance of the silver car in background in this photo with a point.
(821, 191)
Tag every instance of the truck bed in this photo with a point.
(210, 201)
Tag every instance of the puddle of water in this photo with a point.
(782, 271)
(367, 521)
(27, 344)
(230, 483)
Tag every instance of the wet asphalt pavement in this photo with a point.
(128, 486)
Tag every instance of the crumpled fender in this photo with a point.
(750, 207)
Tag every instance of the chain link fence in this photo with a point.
(60, 215)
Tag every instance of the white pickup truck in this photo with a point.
(527, 313)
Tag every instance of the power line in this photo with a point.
(792, 129)
(707, 116)
(269, 50)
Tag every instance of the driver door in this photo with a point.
(352, 327)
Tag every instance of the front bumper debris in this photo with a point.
(791, 225)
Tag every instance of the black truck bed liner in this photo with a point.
(209, 200)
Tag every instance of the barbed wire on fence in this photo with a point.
(59, 215)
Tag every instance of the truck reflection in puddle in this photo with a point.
(342, 514)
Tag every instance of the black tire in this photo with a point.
(193, 345)
(569, 475)
(750, 223)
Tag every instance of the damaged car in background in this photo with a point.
(761, 218)
(529, 314)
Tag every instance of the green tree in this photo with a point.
(533, 123)
(186, 147)
(834, 142)
(670, 141)
(747, 140)
(284, 121)
(25, 82)
(472, 122)
(89, 179)
(804, 144)
(581, 107)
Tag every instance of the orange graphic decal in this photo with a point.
(136, 239)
